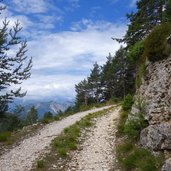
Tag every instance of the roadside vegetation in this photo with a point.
(129, 154)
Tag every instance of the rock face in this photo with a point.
(157, 137)
(156, 91)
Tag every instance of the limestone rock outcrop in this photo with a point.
(156, 92)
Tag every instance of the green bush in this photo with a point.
(131, 157)
(40, 164)
(134, 126)
(47, 118)
(127, 103)
(5, 136)
(136, 51)
(121, 124)
(48, 115)
(114, 99)
(140, 72)
(155, 44)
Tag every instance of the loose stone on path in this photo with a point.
(98, 149)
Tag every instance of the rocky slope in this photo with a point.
(155, 91)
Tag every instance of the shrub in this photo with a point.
(114, 99)
(5, 136)
(47, 118)
(155, 44)
(134, 126)
(136, 121)
(140, 72)
(127, 103)
(40, 164)
(136, 51)
(48, 115)
(131, 157)
(122, 119)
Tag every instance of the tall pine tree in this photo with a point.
(149, 14)
(95, 82)
(14, 67)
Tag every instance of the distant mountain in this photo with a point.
(51, 106)
(42, 107)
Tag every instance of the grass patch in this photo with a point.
(40, 164)
(68, 140)
(5, 136)
(16, 137)
(140, 73)
(122, 119)
(132, 157)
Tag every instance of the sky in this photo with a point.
(65, 38)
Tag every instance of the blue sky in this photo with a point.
(65, 38)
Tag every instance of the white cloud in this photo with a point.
(64, 48)
(41, 87)
(72, 53)
(73, 4)
(62, 59)
(41, 24)
(31, 6)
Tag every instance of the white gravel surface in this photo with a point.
(21, 158)
(98, 150)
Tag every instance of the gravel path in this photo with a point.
(97, 152)
(21, 158)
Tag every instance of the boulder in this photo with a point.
(156, 137)
(167, 165)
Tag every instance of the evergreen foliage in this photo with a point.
(136, 51)
(167, 14)
(149, 14)
(48, 115)
(94, 82)
(114, 79)
(32, 116)
(156, 43)
(13, 68)
(127, 103)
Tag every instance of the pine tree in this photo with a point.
(107, 78)
(118, 75)
(32, 116)
(13, 68)
(149, 14)
(167, 14)
(82, 91)
(95, 82)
